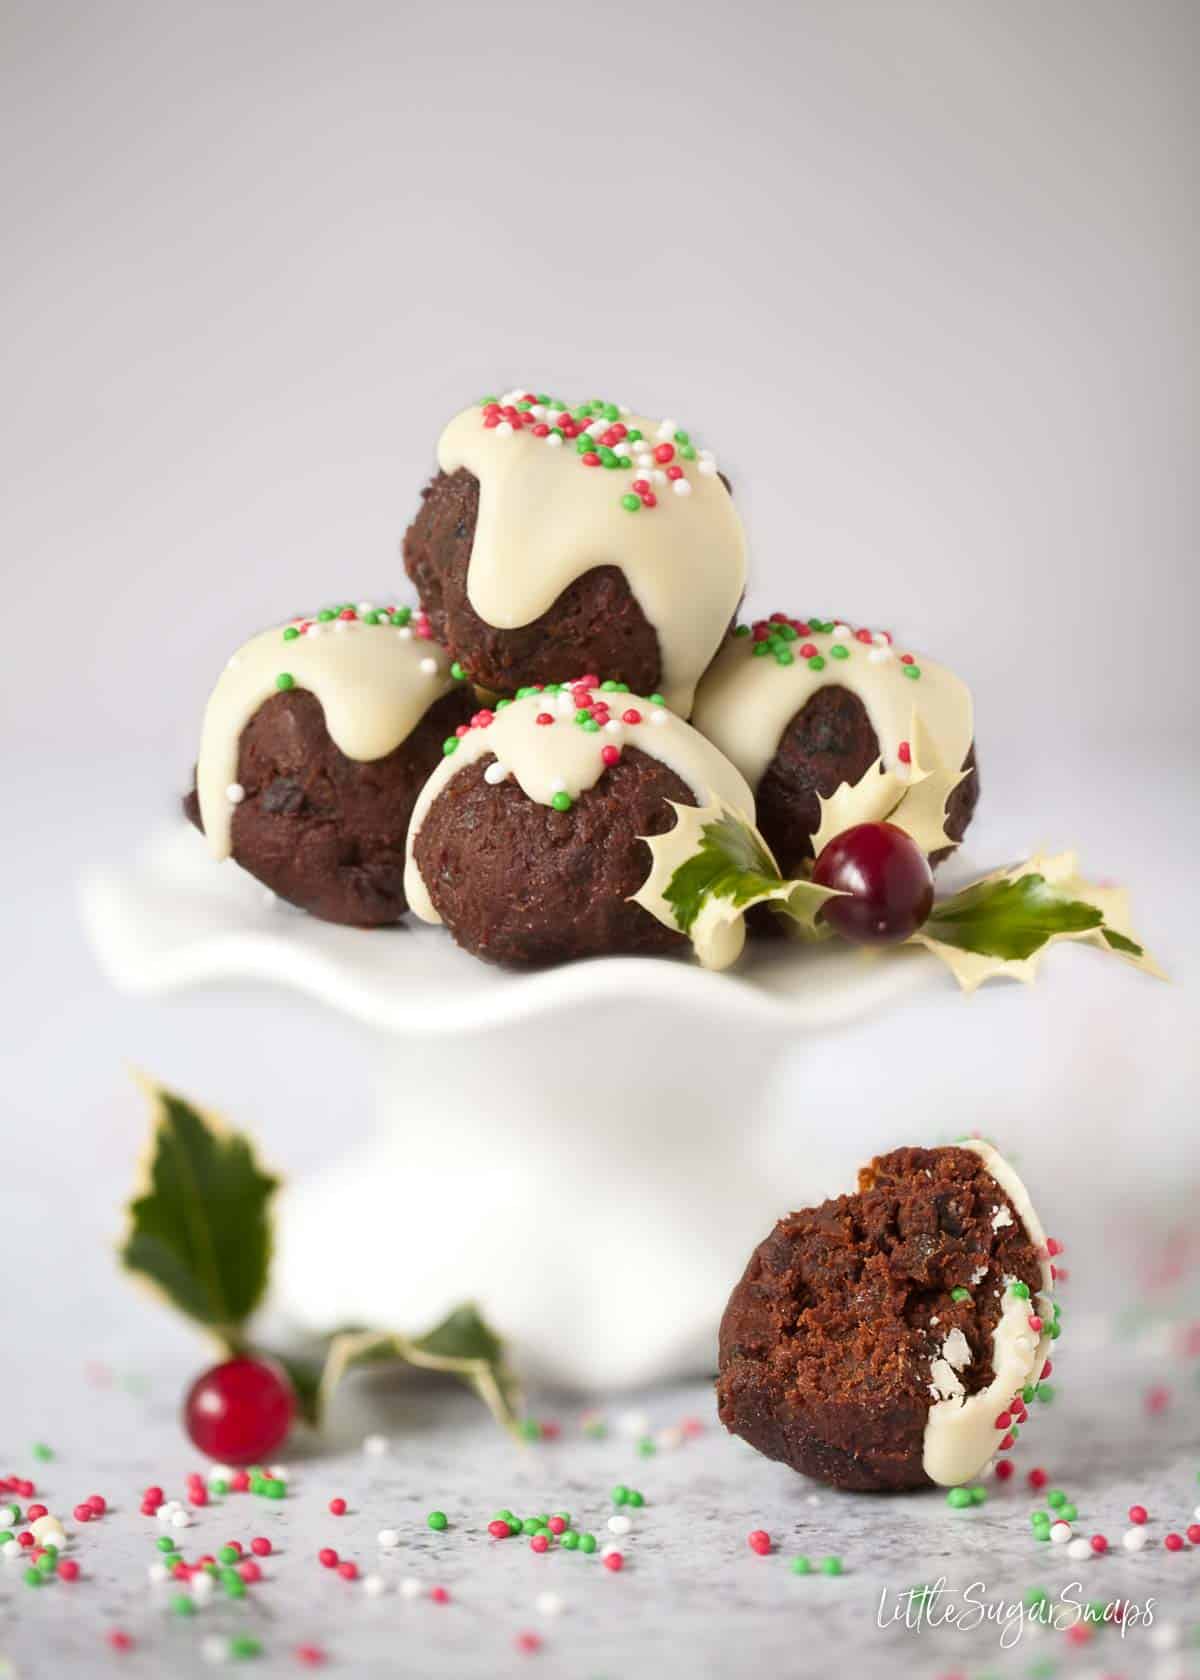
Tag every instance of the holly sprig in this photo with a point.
(200, 1235)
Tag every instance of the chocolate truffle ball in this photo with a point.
(558, 539)
(885, 1340)
(530, 840)
(315, 748)
(802, 706)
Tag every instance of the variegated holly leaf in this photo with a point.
(1004, 923)
(912, 796)
(709, 870)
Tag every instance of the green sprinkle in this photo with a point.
(742, 630)
(562, 801)
(682, 437)
(233, 1584)
(783, 657)
(457, 672)
(634, 436)
(219, 1486)
(1068, 1512)
(609, 687)
(1045, 1393)
(620, 1494)
(437, 1520)
(34, 1577)
(325, 615)
(6, 1534)
(837, 651)
(165, 1543)
(630, 501)
(587, 1542)
(686, 452)
(1055, 1498)
(816, 663)
(47, 1562)
(1028, 1393)
(244, 1645)
(787, 631)
(760, 650)
(831, 1566)
(1034, 1596)
(1095, 1611)
(285, 680)
(229, 1554)
(960, 1294)
(634, 1498)
(183, 1604)
(1040, 1519)
(568, 1539)
(646, 1446)
(978, 1496)
(530, 1525)
(590, 727)
(371, 618)
(450, 745)
(959, 1498)
(275, 1489)
(913, 671)
(1019, 1289)
(801, 1566)
(41, 1451)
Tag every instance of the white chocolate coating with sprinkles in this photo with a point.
(960, 1433)
(745, 702)
(545, 519)
(563, 758)
(375, 683)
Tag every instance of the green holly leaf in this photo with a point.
(731, 862)
(463, 1345)
(1009, 918)
(199, 1232)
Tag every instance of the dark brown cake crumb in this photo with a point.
(826, 1344)
(521, 883)
(323, 831)
(594, 625)
(831, 740)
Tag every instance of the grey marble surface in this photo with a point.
(692, 1600)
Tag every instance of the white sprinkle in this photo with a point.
(220, 1472)
(877, 655)
(1060, 1533)
(554, 439)
(707, 468)
(1079, 1550)
(538, 410)
(410, 1587)
(841, 631)
(279, 1472)
(404, 633)
(1134, 1539)
(681, 487)
(1166, 1636)
(214, 1648)
(11, 1548)
(670, 1437)
(660, 717)
(612, 727)
(202, 1587)
(667, 430)
(619, 1525)
(235, 793)
(429, 665)
(1196, 1513)
(633, 1423)
(181, 1519)
(558, 785)
(495, 773)
(880, 638)
(813, 1499)
(366, 607)
(596, 427)
(549, 1604)
(388, 1538)
(315, 630)
(504, 429)
(9, 1514)
(157, 1572)
(374, 1586)
(659, 476)
(341, 625)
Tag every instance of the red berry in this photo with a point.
(1138, 1514)
(239, 1412)
(260, 1546)
(337, 1507)
(614, 1561)
(68, 1570)
(328, 1557)
(348, 1570)
(888, 881)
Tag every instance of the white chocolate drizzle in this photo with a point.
(375, 682)
(545, 519)
(561, 759)
(960, 1429)
(746, 701)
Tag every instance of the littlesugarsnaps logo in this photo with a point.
(940, 1606)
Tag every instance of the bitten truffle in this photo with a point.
(804, 705)
(886, 1340)
(558, 538)
(317, 741)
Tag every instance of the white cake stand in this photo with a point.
(594, 1135)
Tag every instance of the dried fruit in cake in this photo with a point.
(804, 705)
(529, 841)
(316, 742)
(558, 538)
(894, 1338)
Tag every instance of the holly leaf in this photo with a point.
(199, 1230)
(1003, 924)
(912, 797)
(463, 1345)
(708, 871)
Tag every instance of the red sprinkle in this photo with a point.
(1099, 1544)
(499, 1530)
(83, 1513)
(759, 1541)
(614, 1561)
(348, 1570)
(903, 751)
(556, 1525)
(439, 1595)
(311, 1656)
(1173, 1542)
(1138, 1514)
(338, 1507)
(120, 1640)
(1193, 1534)
(249, 1570)
(154, 1496)
(610, 755)
(528, 1642)
(539, 1543)
(68, 1570)
(239, 1482)
(26, 1539)
(34, 1512)
(1004, 1469)
(260, 1546)
(631, 716)
(235, 1545)
(544, 718)
(328, 1557)
(1157, 1401)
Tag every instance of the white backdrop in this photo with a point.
(923, 274)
